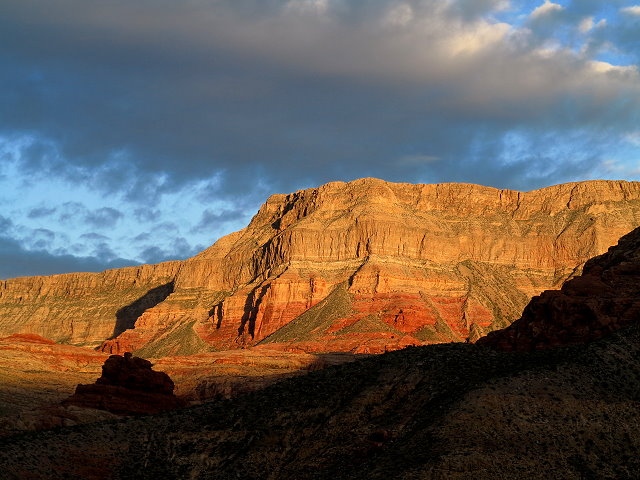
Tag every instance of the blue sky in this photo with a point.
(140, 131)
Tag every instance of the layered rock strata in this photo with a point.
(364, 266)
(605, 298)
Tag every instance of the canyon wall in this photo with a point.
(362, 266)
(604, 299)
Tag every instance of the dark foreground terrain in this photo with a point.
(441, 411)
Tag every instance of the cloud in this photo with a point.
(72, 212)
(18, 261)
(94, 237)
(242, 87)
(185, 116)
(633, 10)
(547, 8)
(179, 249)
(211, 219)
(586, 24)
(147, 214)
(5, 224)
(41, 212)
(78, 213)
(104, 217)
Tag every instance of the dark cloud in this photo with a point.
(211, 219)
(145, 98)
(78, 213)
(142, 237)
(94, 237)
(179, 249)
(228, 101)
(41, 212)
(41, 239)
(147, 214)
(5, 224)
(17, 261)
(71, 212)
(104, 217)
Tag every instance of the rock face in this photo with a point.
(364, 266)
(82, 308)
(605, 298)
(128, 386)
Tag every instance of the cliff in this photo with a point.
(605, 298)
(363, 266)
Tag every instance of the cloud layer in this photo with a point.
(171, 121)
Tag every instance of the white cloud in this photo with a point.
(481, 36)
(633, 10)
(586, 24)
(546, 8)
(605, 67)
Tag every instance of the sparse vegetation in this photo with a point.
(434, 412)
(315, 320)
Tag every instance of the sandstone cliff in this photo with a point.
(605, 298)
(363, 266)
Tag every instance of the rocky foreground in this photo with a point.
(37, 375)
(365, 266)
(432, 412)
(442, 411)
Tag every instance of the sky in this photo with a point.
(138, 131)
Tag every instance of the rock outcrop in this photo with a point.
(364, 266)
(128, 386)
(605, 298)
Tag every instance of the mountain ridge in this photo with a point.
(416, 257)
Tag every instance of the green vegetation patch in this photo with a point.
(370, 323)
(317, 319)
(428, 333)
(182, 340)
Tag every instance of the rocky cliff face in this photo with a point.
(363, 266)
(605, 298)
(82, 308)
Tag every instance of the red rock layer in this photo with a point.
(605, 298)
(417, 263)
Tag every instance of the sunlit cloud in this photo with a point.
(545, 9)
(632, 10)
